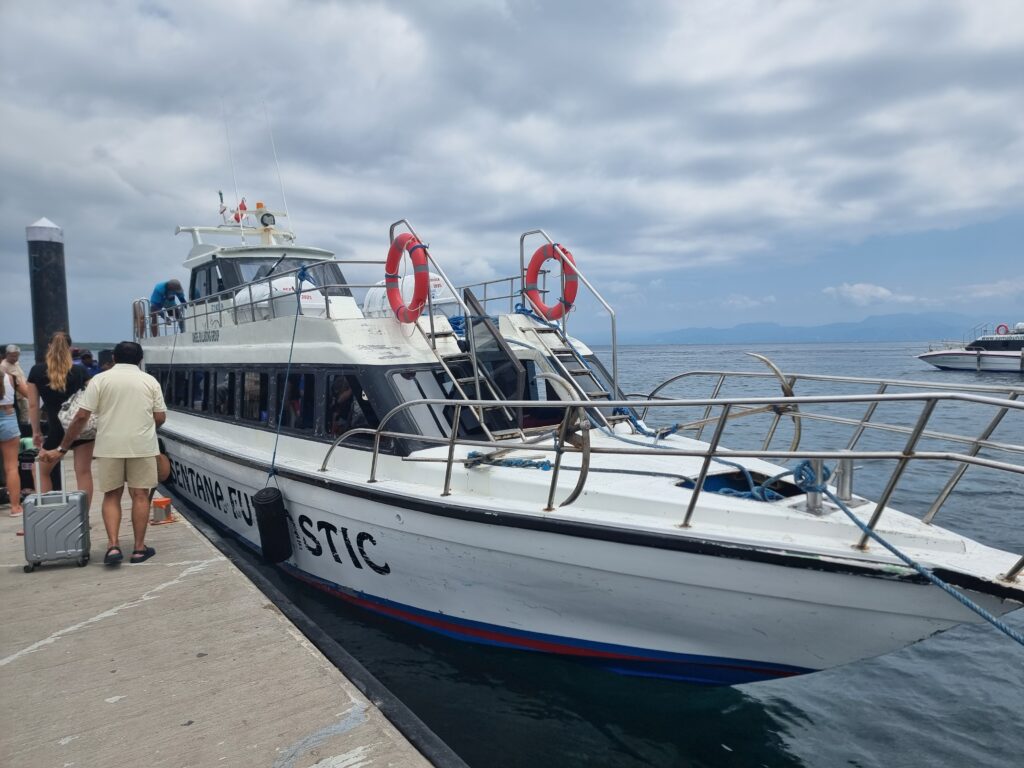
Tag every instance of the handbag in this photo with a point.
(67, 414)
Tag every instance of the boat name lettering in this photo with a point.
(311, 541)
(201, 337)
(226, 499)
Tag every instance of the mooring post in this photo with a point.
(49, 291)
(47, 283)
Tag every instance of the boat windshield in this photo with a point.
(323, 274)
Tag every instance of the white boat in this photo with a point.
(1002, 350)
(481, 474)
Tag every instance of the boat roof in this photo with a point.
(251, 242)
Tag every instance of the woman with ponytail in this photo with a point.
(55, 380)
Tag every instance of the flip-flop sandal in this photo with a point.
(114, 556)
(142, 555)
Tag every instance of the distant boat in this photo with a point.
(999, 351)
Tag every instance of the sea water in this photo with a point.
(956, 699)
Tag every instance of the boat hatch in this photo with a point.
(744, 484)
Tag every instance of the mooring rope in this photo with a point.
(300, 278)
(482, 458)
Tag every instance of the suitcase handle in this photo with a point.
(39, 483)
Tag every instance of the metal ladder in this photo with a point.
(571, 366)
(479, 383)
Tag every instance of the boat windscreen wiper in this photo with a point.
(276, 265)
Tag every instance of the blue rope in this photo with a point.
(757, 492)
(459, 322)
(803, 476)
(521, 463)
(301, 277)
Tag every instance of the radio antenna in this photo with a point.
(231, 160)
(280, 180)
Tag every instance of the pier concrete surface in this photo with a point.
(178, 661)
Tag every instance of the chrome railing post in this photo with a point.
(451, 450)
(844, 480)
(959, 473)
(712, 447)
(901, 465)
(814, 497)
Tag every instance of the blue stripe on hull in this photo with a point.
(626, 660)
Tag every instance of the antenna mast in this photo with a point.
(231, 160)
(280, 180)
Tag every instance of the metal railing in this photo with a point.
(572, 436)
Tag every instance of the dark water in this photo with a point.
(956, 699)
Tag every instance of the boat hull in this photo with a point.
(618, 602)
(964, 360)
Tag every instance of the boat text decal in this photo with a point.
(224, 498)
(317, 537)
(311, 541)
(201, 337)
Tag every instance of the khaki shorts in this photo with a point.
(110, 474)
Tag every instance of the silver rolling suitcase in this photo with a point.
(56, 526)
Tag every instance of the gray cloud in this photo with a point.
(653, 138)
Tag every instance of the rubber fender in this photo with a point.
(272, 521)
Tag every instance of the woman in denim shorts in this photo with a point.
(10, 438)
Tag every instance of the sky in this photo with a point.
(707, 163)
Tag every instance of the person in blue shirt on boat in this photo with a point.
(162, 305)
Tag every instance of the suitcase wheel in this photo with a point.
(82, 561)
(28, 568)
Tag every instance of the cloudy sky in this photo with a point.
(708, 163)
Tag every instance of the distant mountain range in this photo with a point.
(925, 326)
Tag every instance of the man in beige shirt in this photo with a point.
(129, 407)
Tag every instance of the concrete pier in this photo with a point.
(179, 661)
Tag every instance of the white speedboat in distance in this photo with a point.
(480, 474)
(1002, 351)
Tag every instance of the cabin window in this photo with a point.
(179, 388)
(163, 376)
(200, 283)
(348, 406)
(200, 390)
(298, 394)
(224, 393)
(421, 384)
(255, 396)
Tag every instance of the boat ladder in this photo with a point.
(472, 380)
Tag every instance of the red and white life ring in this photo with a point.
(1002, 329)
(407, 242)
(570, 278)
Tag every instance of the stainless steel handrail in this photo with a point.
(909, 452)
(565, 318)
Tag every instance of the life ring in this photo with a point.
(418, 254)
(1002, 329)
(571, 280)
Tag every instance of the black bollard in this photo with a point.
(47, 282)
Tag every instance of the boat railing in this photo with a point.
(572, 436)
(564, 320)
(255, 301)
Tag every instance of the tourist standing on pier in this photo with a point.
(10, 437)
(129, 406)
(10, 364)
(54, 380)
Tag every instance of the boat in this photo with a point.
(1001, 350)
(462, 463)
